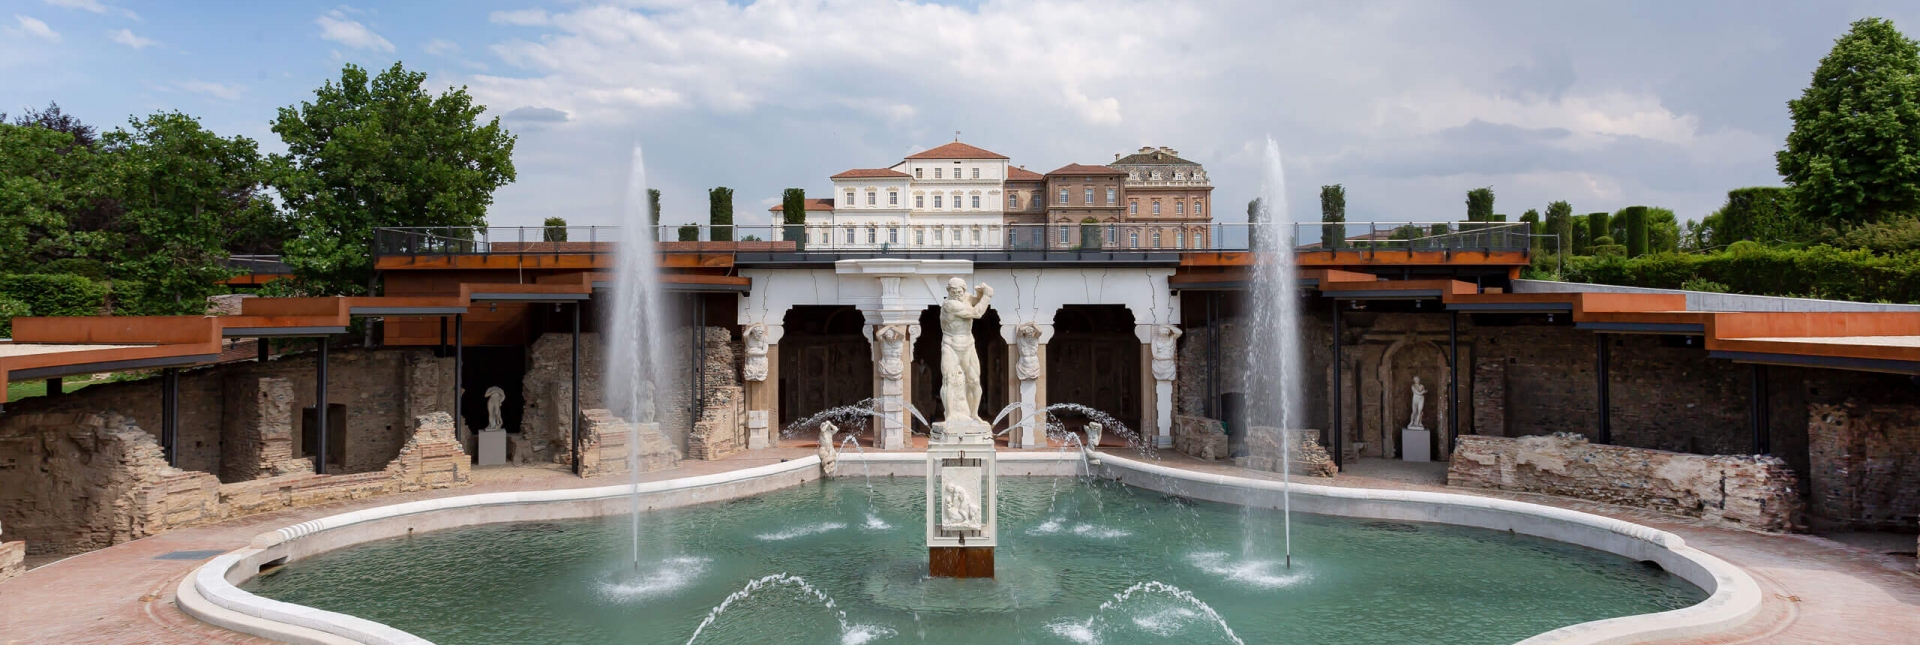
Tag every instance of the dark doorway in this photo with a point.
(1094, 360)
(493, 366)
(993, 367)
(824, 361)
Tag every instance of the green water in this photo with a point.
(1066, 548)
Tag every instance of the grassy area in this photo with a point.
(38, 387)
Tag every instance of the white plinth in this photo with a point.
(493, 447)
(757, 434)
(1416, 445)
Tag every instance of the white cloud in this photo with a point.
(337, 27)
(126, 37)
(225, 92)
(94, 6)
(523, 17)
(33, 27)
(439, 47)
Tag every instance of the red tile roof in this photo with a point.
(1017, 173)
(1083, 169)
(861, 173)
(812, 205)
(956, 150)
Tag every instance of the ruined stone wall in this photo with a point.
(431, 458)
(257, 431)
(1199, 437)
(722, 427)
(605, 441)
(13, 559)
(1750, 492)
(73, 482)
(548, 381)
(381, 389)
(1865, 465)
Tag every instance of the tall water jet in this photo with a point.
(1273, 367)
(635, 350)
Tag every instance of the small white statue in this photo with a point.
(893, 348)
(1419, 405)
(495, 397)
(958, 508)
(1026, 340)
(826, 433)
(1093, 436)
(756, 365)
(1163, 347)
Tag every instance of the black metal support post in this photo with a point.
(1213, 355)
(1762, 413)
(443, 337)
(1453, 379)
(54, 387)
(1339, 454)
(459, 366)
(170, 415)
(575, 390)
(264, 347)
(1605, 430)
(320, 409)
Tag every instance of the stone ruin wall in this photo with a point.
(75, 482)
(605, 441)
(1758, 493)
(546, 390)
(1866, 459)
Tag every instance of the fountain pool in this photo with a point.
(1079, 562)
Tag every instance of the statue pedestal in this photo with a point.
(962, 500)
(493, 447)
(1416, 444)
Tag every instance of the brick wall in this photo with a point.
(1866, 465)
(1750, 492)
(605, 440)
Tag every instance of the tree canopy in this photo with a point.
(377, 152)
(1854, 153)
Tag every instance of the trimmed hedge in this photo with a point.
(1816, 272)
(55, 295)
(10, 309)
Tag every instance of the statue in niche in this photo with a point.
(1026, 341)
(959, 362)
(756, 365)
(893, 347)
(959, 509)
(495, 397)
(1163, 347)
(1419, 405)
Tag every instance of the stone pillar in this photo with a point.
(1156, 393)
(762, 378)
(1028, 384)
(892, 383)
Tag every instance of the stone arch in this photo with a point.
(1409, 356)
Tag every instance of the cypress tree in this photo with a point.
(720, 214)
(1633, 221)
(1559, 222)
(653, 214)
(1597, 227)
(1333, 216)
(1480, 204)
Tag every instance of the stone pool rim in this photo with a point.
(210, 592)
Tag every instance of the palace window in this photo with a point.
(1179, 208)
(1111, 232)
(1199, 208)
(976, 235)
(872, 198)
(850, 235)
(936, 173)
(1133, 239)
(849, 198)
(1110, 197)
(1177, 175)
(893, 198)
(1133, 174)
(936, 201)
(1013, 238)
(1063, 236)
(872, 235)
(1013, 202)
(916, 173)
(919, 236)
(1089, 196)
(1133, 207)
(976, 173)
(1156, 207)
(976, 201)
(919, 201)
(1156, 238)
(1179, 238)
(939, 234)
(1156, 175)
(893, 235)
(1063, 197)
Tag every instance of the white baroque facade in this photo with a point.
(950, 197)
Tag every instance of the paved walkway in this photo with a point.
(1818, 590)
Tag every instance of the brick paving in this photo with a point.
(1818, 590)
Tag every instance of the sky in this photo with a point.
(1407, 104)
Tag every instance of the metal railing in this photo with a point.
(958, 237)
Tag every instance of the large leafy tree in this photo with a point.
(1559, 222)
(43, 177)
(377, 152)
(1854, 153)
(184, 192)
(1333, 210)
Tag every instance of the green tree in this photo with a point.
(1532, 219)
(1597, 227)
(1764, 214)
(1630, 225)
(1480, 204)
(44, 176)
(720, 214)
(377, 152)
(1580, 234)
(554, 229)
(1333, 216)
(182, 189)
(653, 214)
(1663, 230)
(1559, 222)
(1854, 153)
(793, 213)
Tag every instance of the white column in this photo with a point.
(1159, 406)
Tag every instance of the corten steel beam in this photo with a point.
(459, 365)
(575, 423)
(1600, 355)
(1453, 379)
(1338, 460)
(320, 409)
(170, 414)
(1761, 415)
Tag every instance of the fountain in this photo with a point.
(635, 367)
(962, 472)
(1273, 362)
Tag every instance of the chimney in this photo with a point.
(1116, 156)
(1146, 149)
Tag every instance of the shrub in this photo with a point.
(554, 230)
(83, 267)
(55, 295)
(1604, 240)
(1751, 268)
(1608, 250)
(1597, 227)
(1703, 284)
(10, 309)
(690, 233)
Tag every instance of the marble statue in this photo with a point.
(1093, 435)
(1419, 405)
(893, 347)
(826, 433)
(959, 362)
(756, 342)
(1026, 341)
(1164, 348)
(495, 397)
(959, 510)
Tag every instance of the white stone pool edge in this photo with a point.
(210, 594)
